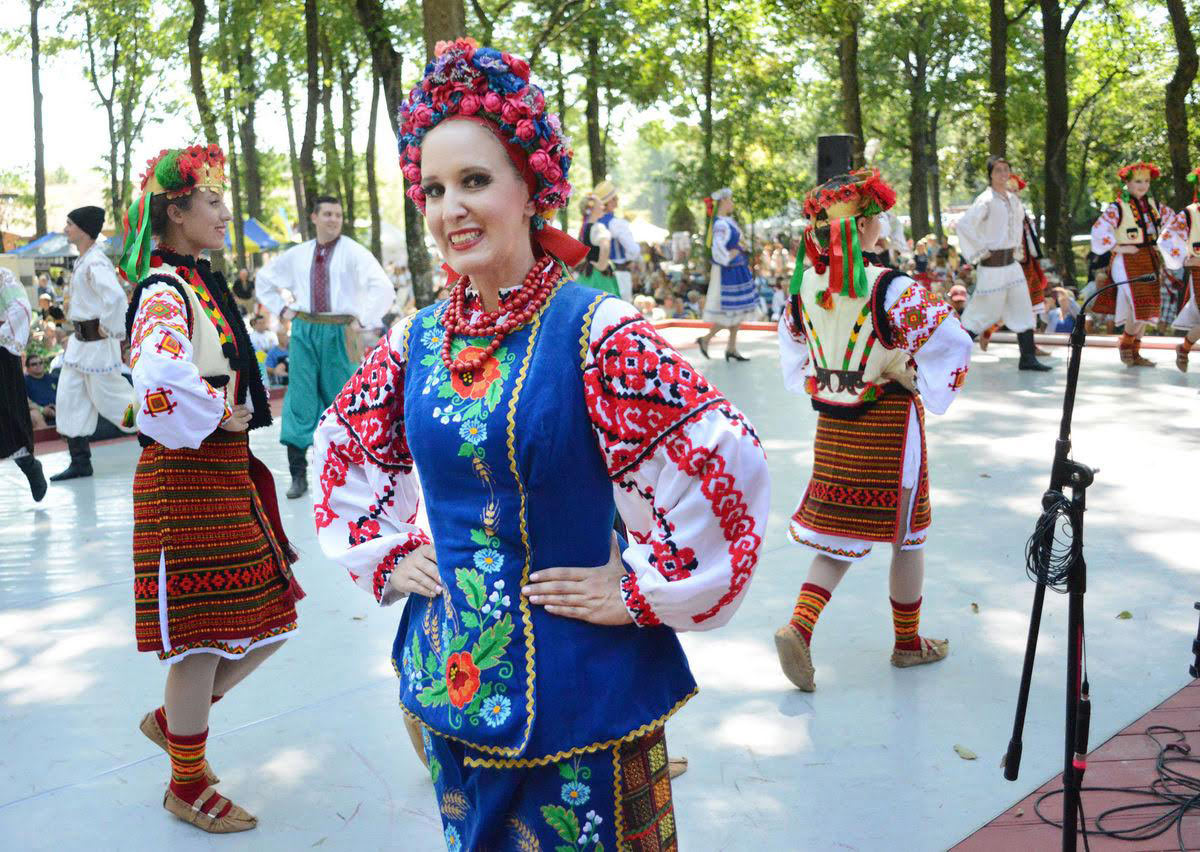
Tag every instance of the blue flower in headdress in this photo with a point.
(489, 59)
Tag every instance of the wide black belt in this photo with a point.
(88, 330)
(999, 257)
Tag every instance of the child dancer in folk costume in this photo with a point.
(16, 427)
(626, 252)
(1129, 228)
(533, 408)
(869, 345)
(214, 593)
(1181, 246)
(991, 233)
(597, 267)
(330, 287)
(732, 299)
(91, 383)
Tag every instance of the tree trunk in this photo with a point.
(293, 160)
(333, 165)
(998, 81)
(235, 187)
(372, 186)
(706, 119)
(1176, 106)
(252, 169)
(851, 101)
(596, 152)
(1054, 63)
(208, 121)
(935, 178)
(444, 20)
(346, 76)
(308, 171)
(39, 144)
(918, 203)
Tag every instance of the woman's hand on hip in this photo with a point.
(587, 594)
(417, 573)
(238, 419)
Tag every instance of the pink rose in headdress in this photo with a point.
(539, 161)
(553, 173)
(525, 130)
(469, 105)
(492, 102)
(417, 195)
(518, 66)
(413, 153)
(412, 172)
(422, 115)
(539, 102)
(511, 111)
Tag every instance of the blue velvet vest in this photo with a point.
(515, 482)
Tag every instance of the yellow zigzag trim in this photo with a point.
(619, 796)
(408, 324)
(585, 335)
(530, 762)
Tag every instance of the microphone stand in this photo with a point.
(1064, 473)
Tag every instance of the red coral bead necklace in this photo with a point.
(534, 292)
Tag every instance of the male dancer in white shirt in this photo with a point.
(626, 253)
(330, 288)
(91, 383)
(990, 235)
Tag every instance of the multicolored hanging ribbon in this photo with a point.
(847, 275)
(135, 259)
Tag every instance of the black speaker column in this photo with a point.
(835, 156)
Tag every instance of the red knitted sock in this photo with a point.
(906, 619)
(808, 608)
(187, 764)
(216, 698)
(160, 716)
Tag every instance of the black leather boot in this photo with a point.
(298, 466)
(81, 460)
(32, 468)
(1028, 360)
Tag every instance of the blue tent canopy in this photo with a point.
(53, 244)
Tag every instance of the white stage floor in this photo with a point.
(313, 743)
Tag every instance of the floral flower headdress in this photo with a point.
(1193, 177)
(1016, 183)
(839, 202)
(710, 210)
(1140, 170)
(492, 88)
(174, 172)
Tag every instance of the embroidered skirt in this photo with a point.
(616, 798)
(1189, 316)
(858, 474)
(211, 565)
(1146, 296)
(16, 428)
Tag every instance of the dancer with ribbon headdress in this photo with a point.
(1127, 232)
(1180, 245)
(214, 594)
(873, 349)
(533, 409)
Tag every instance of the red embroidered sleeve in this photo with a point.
(915, 317)
(160, 317)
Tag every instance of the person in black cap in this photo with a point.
(91, 383)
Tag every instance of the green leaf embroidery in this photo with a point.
(566, 771)
(446, 390)
(489, 648)
(480, 538)
(430, 360)
(562, 821)
(435, 769)
(599, 846)
(471, 583)
(457, 643)
(470, 620)
(493, 394)
(433, 665)
(473, 707)
(562, 848)
(434, 696)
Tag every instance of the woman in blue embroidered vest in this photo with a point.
(214, 593)
(534, 408)
(867, 344)
(731, 299)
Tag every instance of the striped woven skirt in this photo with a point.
(617, 797)
(1146, 295)
(211, 565)
(1035, 277)
(858, 473)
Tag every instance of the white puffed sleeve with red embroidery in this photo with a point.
(689, 475)
(793, 352)
(1173, 242)
(1104, 230)
(369, 494)
(926, 327)
(176, 406)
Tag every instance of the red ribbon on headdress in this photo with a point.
(546, 239)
